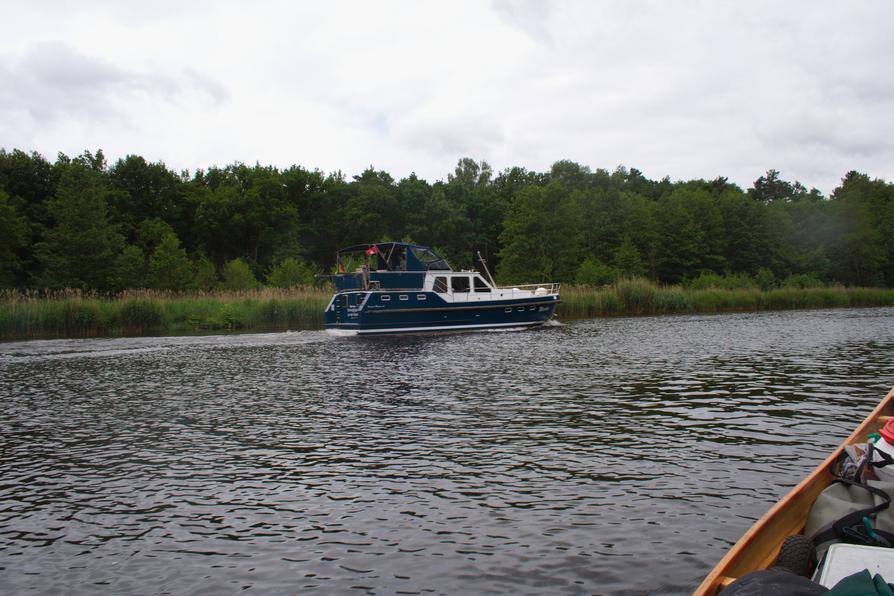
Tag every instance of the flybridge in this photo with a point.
(397, 287)
(396, 256)
(392, 265)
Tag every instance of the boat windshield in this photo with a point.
(430, 260)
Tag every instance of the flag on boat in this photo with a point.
(371, 250)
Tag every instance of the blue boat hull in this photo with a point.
(418, 312)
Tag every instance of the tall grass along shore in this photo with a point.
(138, 312)
(73, 313)
(641, 297)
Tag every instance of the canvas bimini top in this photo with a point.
(394, 256)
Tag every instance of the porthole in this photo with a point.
(521, 309)
(404, 297)
(507, 309)
(385, 298)
(421, 297)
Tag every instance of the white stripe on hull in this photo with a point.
(446, 327)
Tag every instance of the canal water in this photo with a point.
(607, 456)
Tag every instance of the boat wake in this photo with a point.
(341, 333)
(550, 323)
(503, 330)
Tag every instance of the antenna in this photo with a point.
(484, 266)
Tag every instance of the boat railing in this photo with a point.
(545, 289)
(520, 291)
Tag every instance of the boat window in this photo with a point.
(404, 297)
(385, 298)
(421, 297)
(507, 309)
(521, 308)
(430, 260)
(481, 285)
(459, 284)
(441, 284)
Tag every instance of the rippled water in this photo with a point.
(614, 456)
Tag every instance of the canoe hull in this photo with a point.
(759, 546)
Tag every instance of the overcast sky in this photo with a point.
(679, 89)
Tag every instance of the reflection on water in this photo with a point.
(617, 456)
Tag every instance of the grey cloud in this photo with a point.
(216, 91)
(447, 137)
(528, 15)
(60, 66)
(836, 139)
(53, 81)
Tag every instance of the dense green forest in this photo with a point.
(82, 223)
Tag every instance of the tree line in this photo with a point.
(79, 222)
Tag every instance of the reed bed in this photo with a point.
(72, 313)
(637, 296)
